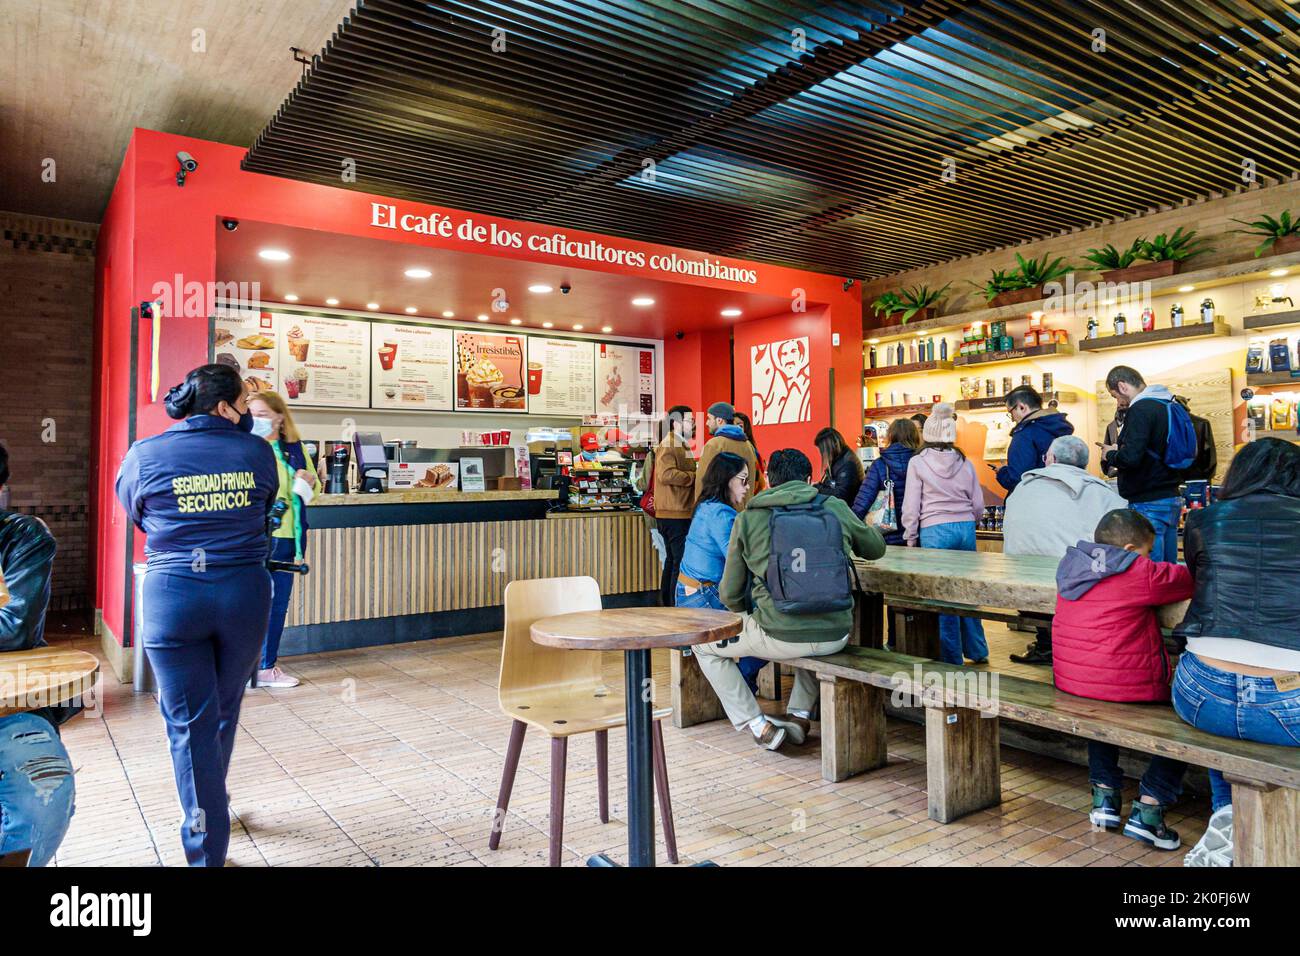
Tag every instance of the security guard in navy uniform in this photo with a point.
(202, 491)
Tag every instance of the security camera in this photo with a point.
(679, 336)
(565, 288)
(230, 224)
(188, 165)
(848, 284)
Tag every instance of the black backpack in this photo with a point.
(807, 569)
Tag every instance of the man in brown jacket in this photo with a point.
(674, 493)
(726, 437)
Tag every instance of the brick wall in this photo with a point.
(47, 293)
(1211, 218)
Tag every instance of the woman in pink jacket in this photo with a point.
(941, 505)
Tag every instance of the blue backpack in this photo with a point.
(1182, 447)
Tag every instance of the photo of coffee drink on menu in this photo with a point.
(490, 372)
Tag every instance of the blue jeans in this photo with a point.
(1234, 705)
(1163, 514)
(708, 597)
(957, 635)
(1163, 781)
(37, 790)
(282, 549)
(203, 632)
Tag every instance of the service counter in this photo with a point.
(412, 565)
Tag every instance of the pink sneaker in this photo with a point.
(276, 678)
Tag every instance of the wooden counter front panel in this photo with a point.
(361, 573)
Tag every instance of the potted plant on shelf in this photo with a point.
(1282, 233)
(919, 302)
(1113, 263)
(1166, 253)
(1025, 282)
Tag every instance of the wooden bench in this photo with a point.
(963, 707)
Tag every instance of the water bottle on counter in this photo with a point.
(1207, 311)
(1176, 316)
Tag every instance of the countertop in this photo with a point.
(428, 496)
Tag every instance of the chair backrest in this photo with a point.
(527, 667)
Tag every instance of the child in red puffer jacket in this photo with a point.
(1106, 645)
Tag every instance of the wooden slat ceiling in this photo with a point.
(829, 158)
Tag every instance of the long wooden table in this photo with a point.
(927, 581)
(922, 582)
(44, 677)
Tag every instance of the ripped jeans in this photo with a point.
(37, 790)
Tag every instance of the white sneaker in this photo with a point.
(276, 678)
(1215, 848)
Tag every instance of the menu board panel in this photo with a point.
(561, 376)
(490, 374)
(245, 339)
(625, 379)
(324, 361)
(411, 367)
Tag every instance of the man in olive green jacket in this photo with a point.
(769, 633)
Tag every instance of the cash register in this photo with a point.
(372, 463)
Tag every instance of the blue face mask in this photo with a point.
(262, 427)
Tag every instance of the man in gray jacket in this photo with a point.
(1051, 509)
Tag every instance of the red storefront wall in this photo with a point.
(154, 231)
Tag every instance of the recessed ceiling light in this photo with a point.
(643, 301)
(607, 328)
(548, 325)
(873, 341)
(1187, 288)
(274, 255)
(410, 310)
(449, 314)
(516, 321)
(731, 313)
(372, 305)
(482, 318)
(540, 288)
(418, 273)
(577, 328)
(290, 298)
(331, 301)
(1278, 273)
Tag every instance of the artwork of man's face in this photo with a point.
(790, 357)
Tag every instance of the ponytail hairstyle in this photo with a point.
(203, 390)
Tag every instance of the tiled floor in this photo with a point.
(392, 756)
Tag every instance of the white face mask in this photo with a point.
(263, 427)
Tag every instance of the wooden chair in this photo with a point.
(562, 693)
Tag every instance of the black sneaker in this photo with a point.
(1035, 653)
(1146, 822)
(1105, 808)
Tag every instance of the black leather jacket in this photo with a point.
(1243, 554)
(26, 561)
(844, 478)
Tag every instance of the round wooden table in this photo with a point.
(44, 677)
(636, 631)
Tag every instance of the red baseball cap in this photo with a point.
(589, 442)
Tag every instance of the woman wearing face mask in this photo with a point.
(201, 492)
(272, 421)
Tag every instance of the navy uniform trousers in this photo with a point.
(203, 633)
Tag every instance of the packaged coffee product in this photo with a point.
(1282, 414)
(1255, 356)
(990, 388)
(1006, 385)
(1279, 355)
(1257, 411)
(1048, 382)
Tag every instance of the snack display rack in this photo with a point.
(600, 489)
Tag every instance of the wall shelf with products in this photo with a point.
(1272, 320)
(935, 326)
(1015, 355)
(898, 411)
(909, 368)
(1265, 379)
(999, 402)
(1198, 330)
(1231, 273)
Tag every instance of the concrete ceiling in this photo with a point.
(77, 75)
